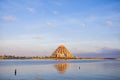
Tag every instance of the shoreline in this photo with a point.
(63, 59)
(9, 57)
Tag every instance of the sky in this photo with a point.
(38, 27)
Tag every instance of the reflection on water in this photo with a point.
(62, 67)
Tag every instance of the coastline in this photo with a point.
(53, 58)
(65, 59)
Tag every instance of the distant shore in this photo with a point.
(53, 58)
(79, 58)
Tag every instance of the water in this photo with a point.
(59, 70)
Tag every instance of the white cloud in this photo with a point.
(8, 18)
(30, 9)
(83, 25)
(51, 24)
(38, 37)
(31, 36)
(109, 23)
(57, 3)
(1, 25)
(55, 12)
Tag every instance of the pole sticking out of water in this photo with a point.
(79, 67)
(15, 72)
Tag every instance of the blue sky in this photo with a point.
(38, 27)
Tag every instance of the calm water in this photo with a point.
(59, 70)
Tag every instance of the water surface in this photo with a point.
(59, 70)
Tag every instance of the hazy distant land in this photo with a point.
(49, 57)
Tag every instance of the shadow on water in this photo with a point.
(15, 72)
(61, 68)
